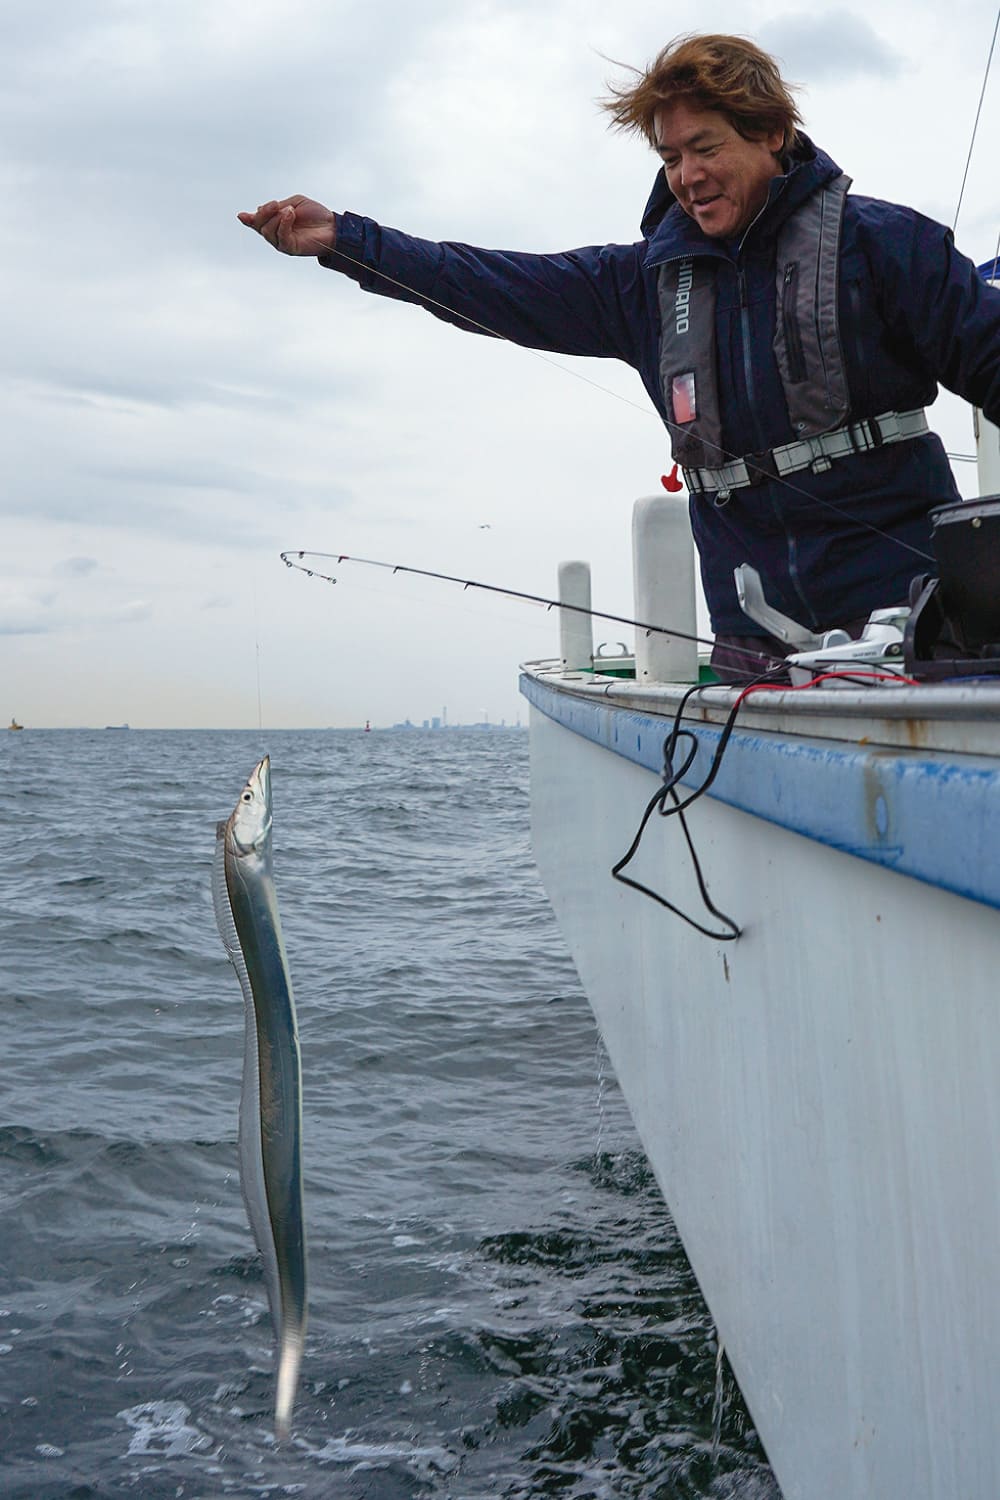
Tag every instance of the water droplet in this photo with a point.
(719, 1401)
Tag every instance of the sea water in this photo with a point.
(499, 1304)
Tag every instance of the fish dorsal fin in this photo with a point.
(224, 912)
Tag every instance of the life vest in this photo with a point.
(806, 336)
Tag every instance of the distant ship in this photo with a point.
(116, 726)
(14, 725)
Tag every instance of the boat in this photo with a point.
(14, 725)
(795, 978)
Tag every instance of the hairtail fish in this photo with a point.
(246, 910)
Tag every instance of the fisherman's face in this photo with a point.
(719, 178)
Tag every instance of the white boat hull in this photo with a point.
(819, 1099)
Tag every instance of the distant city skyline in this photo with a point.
(440, 723)
(430, 725)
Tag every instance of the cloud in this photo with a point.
(113, 102)
(179, 403)
(75, 593)
(832, 43)
(14, 624)
(75, 567)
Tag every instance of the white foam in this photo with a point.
(161, 1429)
(363, 1456)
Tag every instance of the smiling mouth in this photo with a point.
(706, 202)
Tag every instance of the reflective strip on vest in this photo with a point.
(806, 335)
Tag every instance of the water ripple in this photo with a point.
(499, 1303)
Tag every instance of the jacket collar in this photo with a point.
(670, 233)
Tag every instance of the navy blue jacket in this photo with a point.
(913, 312)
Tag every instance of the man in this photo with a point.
(788, 333)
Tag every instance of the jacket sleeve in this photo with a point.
(934, 300)
(588, 302)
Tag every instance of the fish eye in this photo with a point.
(247, 797)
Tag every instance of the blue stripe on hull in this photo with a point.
(935, 817)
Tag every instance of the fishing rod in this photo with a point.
(288, 558)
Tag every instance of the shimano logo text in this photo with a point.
(682, 302)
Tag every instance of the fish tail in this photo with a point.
(289, 1361)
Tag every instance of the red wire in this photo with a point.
(802, 687)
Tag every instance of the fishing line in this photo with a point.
(256, 632)
(975, 127)
(492, 333)
(995, 273)
(671, 426)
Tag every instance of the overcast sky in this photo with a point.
(180, 403)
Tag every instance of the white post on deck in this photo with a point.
(576, 633)
(987, 453)
(663, 573)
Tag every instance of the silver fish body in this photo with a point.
(246, 910)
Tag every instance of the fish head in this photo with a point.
(250, 823)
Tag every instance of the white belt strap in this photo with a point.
(815, 453)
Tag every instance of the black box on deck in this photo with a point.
(954, 625)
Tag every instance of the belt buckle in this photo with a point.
(872, 436)
(760, 467)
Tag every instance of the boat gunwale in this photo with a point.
(900, 717)
(915, 810)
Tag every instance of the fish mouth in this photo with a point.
(249, 825)
(259, 781)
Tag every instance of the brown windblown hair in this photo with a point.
(725, 73)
